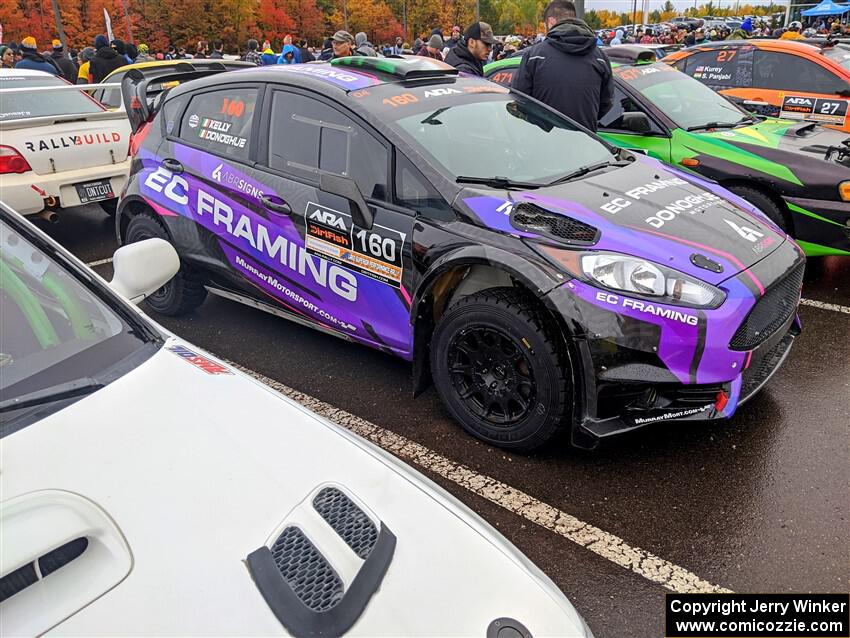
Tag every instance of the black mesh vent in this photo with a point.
(25, 576)
(349, 521)
(306, 571)
(532, 218)
(763, 366)
(770, 312)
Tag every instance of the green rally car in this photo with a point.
(798, 173)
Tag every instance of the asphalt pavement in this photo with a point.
(760, 503)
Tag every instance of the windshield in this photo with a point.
(688, 102)
(502, 135)
(53, 331)
(26, 104)
(840, 55)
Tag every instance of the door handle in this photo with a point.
(279, 206)
(173, 165)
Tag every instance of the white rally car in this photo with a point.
(150, 489)
(58, 146)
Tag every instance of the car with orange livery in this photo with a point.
(776, 78)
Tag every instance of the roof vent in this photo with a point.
(408, 68)
(309, 575)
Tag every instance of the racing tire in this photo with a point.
(501, 370)
(766, 205)
(186, 290)
(109, 206)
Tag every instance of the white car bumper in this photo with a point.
(26, 192)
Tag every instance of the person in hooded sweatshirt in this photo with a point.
(105, 60)
(288, 55)
(362, 46)
(617, 39)
(567, 70)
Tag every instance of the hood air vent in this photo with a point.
(27, 575)
(349, 521)
(534, 219)
(306, 571)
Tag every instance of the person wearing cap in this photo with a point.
(343, 44)
(64, 62)
(33, 60)
(469, 54)
(454, 39)
(793, 32)
(743, 32)
(568, 71)
(433, 48)
(144, 53)
(106, 59)
(362, 46)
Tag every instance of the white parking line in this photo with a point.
(608, 546)
(825, 306)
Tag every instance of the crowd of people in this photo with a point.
(468, 50)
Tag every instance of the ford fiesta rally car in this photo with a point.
(544, 280)
(797, 173)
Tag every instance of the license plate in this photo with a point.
(94, 191)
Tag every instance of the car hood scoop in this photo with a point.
(535, 219)
(321, 567)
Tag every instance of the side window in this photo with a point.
(613, 119)
(793, 73)
(413, 191)
(220, 121)
(728, 68)
(307, 136)
(170, 113)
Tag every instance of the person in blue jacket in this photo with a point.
(33, 60)
(288, 56)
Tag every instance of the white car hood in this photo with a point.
(198, 470)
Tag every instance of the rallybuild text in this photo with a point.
(757, 615)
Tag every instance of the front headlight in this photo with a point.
(638, 276)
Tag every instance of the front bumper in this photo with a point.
(633, 368)
(26, 192)
(824, 223)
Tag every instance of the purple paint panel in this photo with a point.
(344, 78)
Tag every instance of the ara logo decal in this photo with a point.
(326, 217)
(745, 231)
(439, 92)
(216, 174)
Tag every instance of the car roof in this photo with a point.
(343, 74)
(166, 65)
(790, 46)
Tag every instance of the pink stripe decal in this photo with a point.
(734, 260)
(749, 358)
(159, 209)
(406, 295)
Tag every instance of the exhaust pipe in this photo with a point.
(50, 215)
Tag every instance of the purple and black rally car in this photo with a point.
(543, 279)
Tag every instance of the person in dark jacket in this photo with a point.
(306, 56)
(433, 48)
(469, 55)
(217, 50)
(33, 60)
(567, 70)
(105, 60)
(132, 52)
(64, 62)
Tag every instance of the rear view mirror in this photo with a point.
(143, 267)
(636, 122)
(347, 188)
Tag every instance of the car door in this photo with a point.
(799, 88)
(346, 277)
(615, 126)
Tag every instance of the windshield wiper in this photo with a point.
(579, 172)
(496, 182)
(743, 120)
(69, 390)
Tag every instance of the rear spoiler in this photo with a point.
(134, 89)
